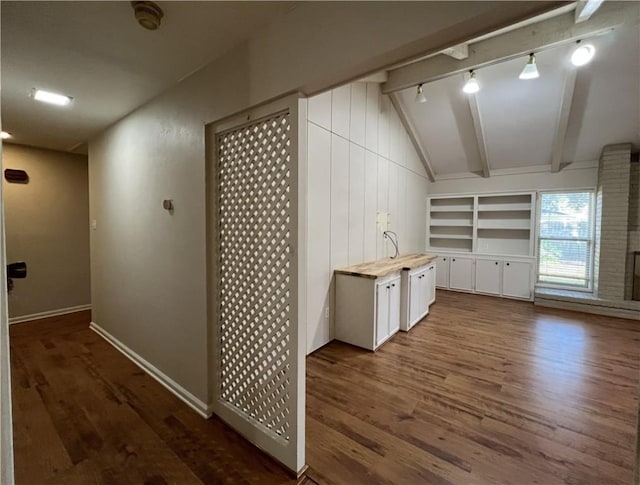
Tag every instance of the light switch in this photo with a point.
(94, 224)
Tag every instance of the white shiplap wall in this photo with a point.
(361, 161)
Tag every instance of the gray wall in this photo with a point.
(47, 225)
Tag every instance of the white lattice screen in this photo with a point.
(255, 235)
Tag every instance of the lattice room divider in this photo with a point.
(259, 356)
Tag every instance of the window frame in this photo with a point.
(592, 240)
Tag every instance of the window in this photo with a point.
(565, 240)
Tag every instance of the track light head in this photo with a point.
(530, 71)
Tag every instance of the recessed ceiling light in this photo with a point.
(530, 71)
(4, 135)
(471, 86)
(420, 97)
(51, 98)
(583, 55)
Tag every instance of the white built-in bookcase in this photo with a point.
(492, 224)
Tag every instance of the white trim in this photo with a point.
(587, 308)
(49, 313)
(172, 386)
(498, 172)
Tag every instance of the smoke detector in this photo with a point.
(148, 14)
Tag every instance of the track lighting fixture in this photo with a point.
(530, 71)
(471, 86)
(420, 97)
(583, 55)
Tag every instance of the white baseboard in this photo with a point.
(172, 386)
(50, 313)
(588, 308)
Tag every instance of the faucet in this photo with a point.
(394, 241)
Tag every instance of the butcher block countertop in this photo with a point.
(384, 267)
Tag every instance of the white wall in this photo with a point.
(148, 268)
(360, 161)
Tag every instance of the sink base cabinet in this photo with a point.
(418, 292)
(367, 309)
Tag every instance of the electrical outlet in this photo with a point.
(326, 312)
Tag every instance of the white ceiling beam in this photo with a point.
(585, 9)
(378, 77)
(458, 52)
(413, 136)
(480, 140)
(563, 120)
(553, 32)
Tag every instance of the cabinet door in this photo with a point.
(382, 312)
(442, 274)
(431, 284)
(394, 306)
(488, 274)
(415, 291)
(516, 277)
(461, 273)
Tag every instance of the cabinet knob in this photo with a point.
(454, 259)
(393, 285)
(387, 287)
(496, 262)
(507, 264)
(444, 259)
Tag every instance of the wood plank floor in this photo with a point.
(84, 414)
(484, 390)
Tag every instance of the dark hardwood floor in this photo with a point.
(84, 414)
(484, 391)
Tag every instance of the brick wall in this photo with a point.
(633, 242)
(614, 182)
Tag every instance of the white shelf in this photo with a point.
(440, 210)
(505, 208)
(504, 227)
(499, 224)
(445, 223)
(449, 236)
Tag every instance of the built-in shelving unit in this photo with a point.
(451, 223)
(496, 224)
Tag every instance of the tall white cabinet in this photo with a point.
(485, 243)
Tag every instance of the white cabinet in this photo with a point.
(416, 300)
(488, 276)
(500, 276)
(387, 309)
(382, 313)
(394, 307)
(516, 277)
(442, 271)
(419, 291)
(430, 280)
(367, 309)
(461, 273)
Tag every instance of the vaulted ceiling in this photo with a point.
(517, 121)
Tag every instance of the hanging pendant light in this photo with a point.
(530, 71)
(471, 86)
(420, 97)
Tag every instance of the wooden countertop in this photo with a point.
(384, 267)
